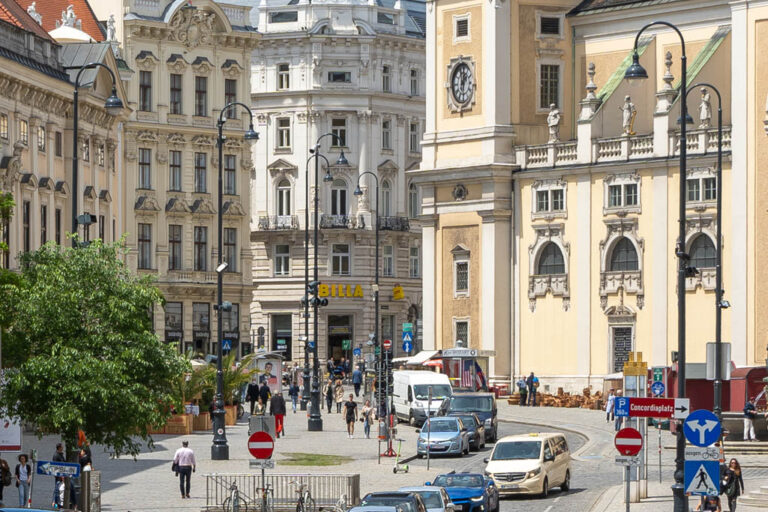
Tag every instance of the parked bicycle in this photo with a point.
(236, 501)
(340, 506)
(305, 502)
(267, 496)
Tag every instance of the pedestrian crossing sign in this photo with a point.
(702, 477)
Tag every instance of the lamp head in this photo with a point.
(342, 159)
(688, 119)
(635, 72)
(113, 104)
(328, 178)
(250, 134)
(222, 267)
(358, 191)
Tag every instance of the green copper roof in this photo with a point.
(618, 75)
(704, 55)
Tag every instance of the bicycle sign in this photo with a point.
(702, 453)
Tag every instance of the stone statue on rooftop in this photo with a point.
(68, 17)
(32, 11)
(553, 122)
(111, 29)
(705, 109)
(628, 114)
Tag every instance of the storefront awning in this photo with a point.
(418, 359)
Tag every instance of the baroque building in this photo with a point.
(356, 70)
(549, 184)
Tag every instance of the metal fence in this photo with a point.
(326, 489)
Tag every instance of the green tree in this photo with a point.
(86, 356)
(190, 383)
(233, 376)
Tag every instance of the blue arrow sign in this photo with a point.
(701, 428)
(357, 352)
(407, 346)
(702, 477)
(407, 337)
(621, 407)
(50, 468)
(657, 388)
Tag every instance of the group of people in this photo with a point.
(21, 476)
(527, 388)
(260, 395)
(610, 406)
(731, 485)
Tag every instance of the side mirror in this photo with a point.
(418, 431)
(549, 458)
(486, 460)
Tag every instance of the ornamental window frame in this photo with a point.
(457, 19)
(539, 285)
(549, 186)
(624, 281)
(461, 257)
(548, 14)
(701, 175)
(622, 180)
(700, 225)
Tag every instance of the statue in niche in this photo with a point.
(553, 122)
(628, 114)
(705, 109)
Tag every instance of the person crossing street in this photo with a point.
(277, 409)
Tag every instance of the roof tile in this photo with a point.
(13, 13)
(51, 12)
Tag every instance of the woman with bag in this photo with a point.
(366, 418)
(733, 483)
(23, 473)
(338, 391)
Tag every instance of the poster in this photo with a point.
(269, 371)
(10, 435)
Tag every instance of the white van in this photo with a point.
(410, 393)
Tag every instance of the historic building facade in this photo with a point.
(549, 185)
(188, 62)
(357, 71)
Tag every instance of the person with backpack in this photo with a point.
(733, 484)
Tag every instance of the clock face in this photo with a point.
(462, 83)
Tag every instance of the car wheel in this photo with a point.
(545, 488)
(411, 419)
(420, 456)
(567, 482)
(466, 450)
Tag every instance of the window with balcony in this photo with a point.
(201, 96)
(284, 199)
(414, 262)
(201, 173)
(282, 260)
(339, 197)
(230, 96)
(174, 247)
(145, 91)
(176, 94)
(283, 77)
(386, 79)
(386, 199)
(340, 256)
(201, 249)
(174, 170)
(388, 261)
(230, 249)
(339, 129)
(145, 168)
(230, 175)
(624, 256)
(284, 133)
(386, 134)
(41, 138)
(145, 246)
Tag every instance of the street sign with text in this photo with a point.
(262, 464)
(50, 468)
(627, 460)
(652, 407)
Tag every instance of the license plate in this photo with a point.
(510, 486)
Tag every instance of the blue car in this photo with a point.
(469, 492)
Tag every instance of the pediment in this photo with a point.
(281, 165)
(28, 179)
(62, 187)
(146, 204)
(105, 196)
(146, 137)
(176, 205)
(203, 207)
(89, 193)
(202, 140)
(234, 209)
(620, 311)
(46, 183)
(176, 139)
(388, 166)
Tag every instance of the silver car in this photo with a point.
(445, 435)
(435, 498)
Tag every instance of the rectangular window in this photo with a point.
(283, 77)
(230, 175)
(549, 25)
(25, 205)
(385, 19)
(282, 334)
(413, 137)
(282, 260)
(388, 261)
(201, 248)
(175, 100)
(340, 77)
(174, 169)
(549, 87)
(340, 260)
(558, 201)
(414, 263)
(24, 131)
(145, 91)
(145, 245)
(201, 316)
(4, 126)
(386, 79)
(386, 134)
(387, 327)
(710, 189)
(339, 129)
(43, 224)
(57, 227)
(461, 29)
(462, 332)
(414, 82)
(201, 96)
(201, 172)
(630, 194)
(230, 249)
(101, 227)
(58, 143)
(614, 196)
(145, 168)
(41, 138)
(284, 133)
(174, 320)
(230, 320)
(542, 200)
(86, 149)
(462, 276)
(100, 157)
(174, 247)
(230, 96)
(692, 188)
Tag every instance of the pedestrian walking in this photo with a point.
(264, 393)
(58, 492)
(357, 380)
(58, 456)
(619, 420)
(367, 418)
(252, 393)
(750, 413)
(260, 408)
(338, 392)
(184, 462)
(609, 403)
(733, 484)
(533, 384)
(293, 392)
(85, 460)
(328, 392)
(277, 409)
(522, 389)
(709, 504)
(23, 473)
(350, 415)
(330, 366)
(6, 478)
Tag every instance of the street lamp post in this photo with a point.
(315, 422)
(113, 105)
(636, 71)
(220, 448)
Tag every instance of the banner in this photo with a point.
(10, 435)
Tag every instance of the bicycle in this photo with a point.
(236, 502)
(266, 498)
(340, 506)
(305, 503)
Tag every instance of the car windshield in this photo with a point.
(517, 450)
(387, 501)
(439, 391)
(431, 499)
(458, 481)
(471, 403)
(469, 421)
(440, 426)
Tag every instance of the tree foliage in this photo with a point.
(85, 356)
(234, 376)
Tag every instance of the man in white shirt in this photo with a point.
(184, 459)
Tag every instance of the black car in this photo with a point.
(475, 427)
(411, 500)
(482, 404)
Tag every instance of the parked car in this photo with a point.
(375, 508)
(475, 427)
(469, 492)
(410, 394)
(530, 464)
(410, 502)
(434, 498)
(482, 404)
(443, 436)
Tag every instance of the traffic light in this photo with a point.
(225, 306)
(312, 288)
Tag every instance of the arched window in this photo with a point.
(284, 198)
(386, 199)
(551, 260)
(413, 201)
(339, 197)
(702, 252)
(624, 256)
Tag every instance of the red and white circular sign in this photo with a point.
(387, 344)
(628, 441)
(261, 445)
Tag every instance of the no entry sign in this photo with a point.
(387, 344)
(261, 445)
(628, 441)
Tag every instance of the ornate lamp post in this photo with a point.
(113, 105)
(220, 448)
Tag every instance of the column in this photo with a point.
(580, 275)
(429, 264)
(661, 262)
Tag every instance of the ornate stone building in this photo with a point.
(356, 70)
